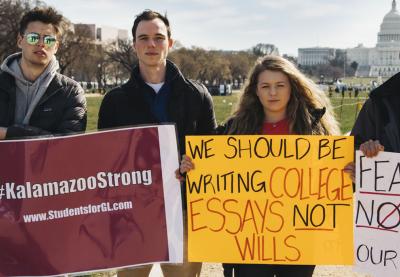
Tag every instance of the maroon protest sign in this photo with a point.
(86, 202)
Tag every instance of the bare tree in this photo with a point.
(291, 58)
(262, 49)
(240, 64)
(122, 52)
(213, 66)
(75, 46)
(185, 59)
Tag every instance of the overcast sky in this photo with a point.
(240, 24)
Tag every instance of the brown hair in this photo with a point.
(46, 15)
(150, 15)
(305, 102)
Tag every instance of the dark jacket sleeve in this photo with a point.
(74, 118)
(224, 128)
(365, 126)
(75, 114)
(19, 131)
(106, 112)
(207, 124)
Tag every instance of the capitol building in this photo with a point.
(384, 59)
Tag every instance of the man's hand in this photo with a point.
(3, 132)
(350, 169)
(371, 148)
(186, 165)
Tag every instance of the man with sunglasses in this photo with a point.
(35, 100)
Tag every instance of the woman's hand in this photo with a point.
(371, 148)
(186, 166)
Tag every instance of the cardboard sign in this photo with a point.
(270, 199)
(377, 214)
(89, 202)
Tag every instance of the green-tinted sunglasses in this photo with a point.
(34, 38)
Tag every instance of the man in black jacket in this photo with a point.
(35, 100)
(377, 127)
(157, 92)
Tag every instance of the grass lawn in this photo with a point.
(93, 105)
(223, 106)
(346, 109)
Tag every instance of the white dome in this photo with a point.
(390, 28)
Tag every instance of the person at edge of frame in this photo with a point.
(377, 127)
(36, 101)
(278, 100)
(157, 92)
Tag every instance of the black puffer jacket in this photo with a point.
(379, 118)
(61, 110)
(189, 105)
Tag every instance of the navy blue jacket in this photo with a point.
(189, 105)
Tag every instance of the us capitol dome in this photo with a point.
(384, 59)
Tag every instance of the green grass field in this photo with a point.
(93, 105)
(346, 109)
(223, 106)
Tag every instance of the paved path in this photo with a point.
(215, 270)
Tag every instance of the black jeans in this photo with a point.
(267, 270)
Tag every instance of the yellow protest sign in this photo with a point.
(270, 199)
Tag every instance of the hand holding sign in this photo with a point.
(270, 199)
(377, 214)
(371, 148)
